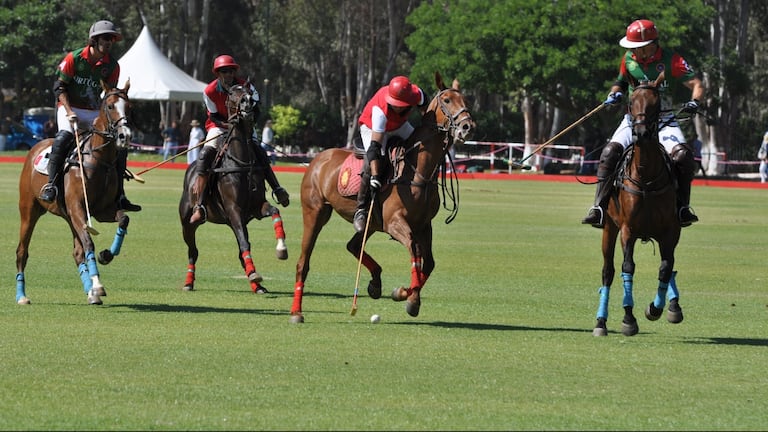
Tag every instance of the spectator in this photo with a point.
(5, 130)
(267, 141)
(762, 154)
(49, 128)
(170, 139)
(196, 135)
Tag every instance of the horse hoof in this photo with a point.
(259, 289)
(652, 312)
(105, 257)
(100, 291)
(599, 331)
(93, 298)
(412, 307)
(630, 328)
(255, 277)
(188, 287)
(374, 290)
(675, 312)
(282, 254)
(23, 301)
(399, 294)
(296, 319)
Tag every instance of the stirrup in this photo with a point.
(600, 220)
(49, 192)
(203, 214)
(689, 220)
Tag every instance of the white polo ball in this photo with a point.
(375, 318)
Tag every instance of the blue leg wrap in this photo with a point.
(628, 300)
(602, 310)
(20, 289)
(85, 277)
(673, 293)
(661, 293)
(90, 261)
(117, 243)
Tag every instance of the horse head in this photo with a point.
(451, 112)
(115, 117)
(645, 108)
(241, 103)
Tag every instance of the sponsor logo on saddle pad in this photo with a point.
(41, 161)
(349, 176)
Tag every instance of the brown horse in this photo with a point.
(235, 194)
(405, 206)
(88, 188)
(644, 208)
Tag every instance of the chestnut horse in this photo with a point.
(405, 206)
(235, 193)
(643, 208)
(88, 188)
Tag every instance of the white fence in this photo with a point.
(566, 156)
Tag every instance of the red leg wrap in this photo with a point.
(190, 275)
(248, 261)
(417, 277)
(297, 295)
(277, 223)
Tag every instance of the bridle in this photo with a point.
(118, 130)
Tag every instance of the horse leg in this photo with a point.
(246, 260)
(107, 255)
(656, 307)
(354, 246)
(30, 212)
(674, 312)
(629, 325)
(422, 264)
(315, 217)
(610, 233)
(188, 232)
(281, 250)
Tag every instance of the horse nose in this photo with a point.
(467, 129)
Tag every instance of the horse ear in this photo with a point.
(455, 85)
(106, 87)
(659, 80)
(439, 81)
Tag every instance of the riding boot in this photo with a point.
(281, 195)
(370, 176)
(609, 158)
(685, 169)
(62, 144)
(202, 170)
(122, 165)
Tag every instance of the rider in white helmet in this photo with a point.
(78, 92)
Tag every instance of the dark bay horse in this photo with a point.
(644, 208)
(235, 193)
(88, 189)
(405, 206)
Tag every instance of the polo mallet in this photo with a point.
(554, 138)
(360, 260)
(88, 226)
(201, 143)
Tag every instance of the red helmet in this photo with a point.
(224, 61)
(402, 92)
(639, 34)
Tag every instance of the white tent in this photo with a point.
(153, 76)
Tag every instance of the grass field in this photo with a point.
(503, 341)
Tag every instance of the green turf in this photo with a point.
(503, 341)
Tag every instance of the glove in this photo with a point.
(690, 107)
(72, 118)
(613, 98)
(375, 184)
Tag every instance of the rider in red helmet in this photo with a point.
(385, 115)
(78, 88)
(645, 60)
(215, 99)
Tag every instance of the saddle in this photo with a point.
(350, 174)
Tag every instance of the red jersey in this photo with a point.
(379, 100)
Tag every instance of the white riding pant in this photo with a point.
(403, 132)
(670, 134)
(85, 118)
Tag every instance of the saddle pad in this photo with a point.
(349, 176)
(41, 161)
